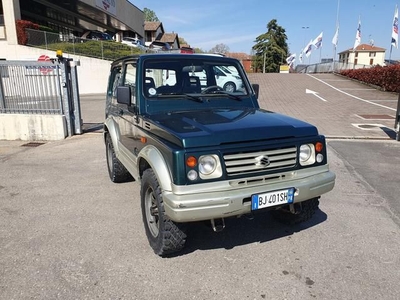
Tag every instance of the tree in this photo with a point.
(199, 50)
(271, 48)
(219, 48)
(149, 15)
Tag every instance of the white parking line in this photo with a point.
(350, 95)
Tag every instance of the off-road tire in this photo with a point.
(165, 236)
(308, 208)
(116, 170)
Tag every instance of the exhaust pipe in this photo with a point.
(218, 224)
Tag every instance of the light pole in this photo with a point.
(305, 28)
(305, 31)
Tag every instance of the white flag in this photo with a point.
(291, 59)
(395, 32)
(358, 36)
(318, 41)
(336, 37)
(308, 49)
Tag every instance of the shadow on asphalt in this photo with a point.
(92, 127)
(241, 231)
(389, 132)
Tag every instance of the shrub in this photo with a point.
(21, 25)
(387, 78)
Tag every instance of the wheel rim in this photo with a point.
(152, 217)
(229, 87)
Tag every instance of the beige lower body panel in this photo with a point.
(237, 201)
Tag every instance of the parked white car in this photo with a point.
(230, 82)
(133, 42)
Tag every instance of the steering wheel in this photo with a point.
(212, 88)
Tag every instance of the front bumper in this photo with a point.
(233, 197)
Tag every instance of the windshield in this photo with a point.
(177, 83)
(179, 76)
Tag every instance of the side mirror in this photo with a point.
(124, 95)
(256, 88)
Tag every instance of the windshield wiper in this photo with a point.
(231, 96)
(187, 96)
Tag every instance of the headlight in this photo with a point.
(209, 167)
(307, 154)
(207, 164)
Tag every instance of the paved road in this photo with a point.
(67, 232)
(348, 104)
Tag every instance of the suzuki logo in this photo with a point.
(262, 161)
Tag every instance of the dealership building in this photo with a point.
(72, 17)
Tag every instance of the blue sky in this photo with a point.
(207, 23)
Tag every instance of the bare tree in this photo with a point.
(219, 48)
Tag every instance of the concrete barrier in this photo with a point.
(32, 127)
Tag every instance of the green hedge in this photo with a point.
(387, 78)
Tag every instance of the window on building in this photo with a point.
(355, 61)
(372, 54)
(356, 54)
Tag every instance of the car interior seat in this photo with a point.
(192, 85)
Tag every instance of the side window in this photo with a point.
(130, 76)
(114, 81)
(130, 80)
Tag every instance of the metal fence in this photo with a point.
(41, 87)
(30, 88)
(108, 50)
(330, 67)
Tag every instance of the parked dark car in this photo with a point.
(97, 35)
(157, 45)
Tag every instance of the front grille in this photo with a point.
(261, 161)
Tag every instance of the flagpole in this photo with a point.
(337, 25)
(394, 33)
(320, 50)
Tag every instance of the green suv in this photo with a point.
(202, 153)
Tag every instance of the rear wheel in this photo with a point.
(116, 170)
(164, 235)
(303, 211)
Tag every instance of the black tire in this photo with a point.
(165, 236)
(230, 87)
(116, 170)
(304, 211)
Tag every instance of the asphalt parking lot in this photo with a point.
(67, 232)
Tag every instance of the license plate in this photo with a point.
(272, 198)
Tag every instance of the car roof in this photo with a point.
(177, 56)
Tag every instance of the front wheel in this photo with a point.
(116, 170)
(165, 236)
(303, 212)
(230, 87)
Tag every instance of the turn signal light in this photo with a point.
(319, 146)
(191, 161)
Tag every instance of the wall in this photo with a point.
(127, 13)
(92, 72)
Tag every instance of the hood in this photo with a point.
(222, 126)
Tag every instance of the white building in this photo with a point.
(364, 54)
